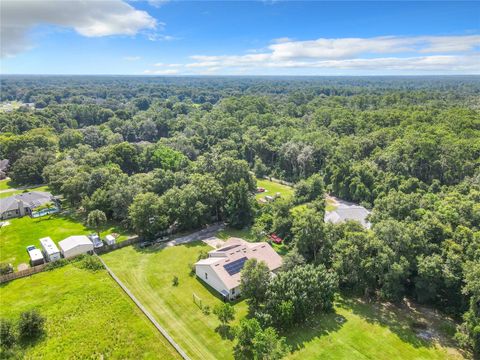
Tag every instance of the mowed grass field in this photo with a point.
(149, 274)
(87, 317)
(21, 232)
(272, 188)
(354, 331)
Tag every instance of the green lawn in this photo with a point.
(365, 333)
(88, 316)
(10, 193)
(272, 188)
(27, 231)
(6, 184)
(149, 274)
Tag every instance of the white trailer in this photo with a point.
(50, 249)
(36, 257)
(75, 245)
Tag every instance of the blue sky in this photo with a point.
(240, 38)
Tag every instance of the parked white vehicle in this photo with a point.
(50, 249)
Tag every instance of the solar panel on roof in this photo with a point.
(228, 248)
(235, 266)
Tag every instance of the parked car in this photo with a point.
(276, 239)
(96, 241)
(260, 189)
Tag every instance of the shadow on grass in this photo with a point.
(389, 315)
(319, 325)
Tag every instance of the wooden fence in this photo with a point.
(107, 248)
(22, 273)
(39, 268)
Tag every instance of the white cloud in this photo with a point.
(441, 54)
(88, 18)
(132, 58)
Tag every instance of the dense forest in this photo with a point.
(170, 154)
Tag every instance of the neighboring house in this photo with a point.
(221, 270)
(75, 245)
(346, 212)
(24, 204)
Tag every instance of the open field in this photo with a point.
(272, 188)
(27, 231)
(364, 331)
(88, 316)
(149, 274)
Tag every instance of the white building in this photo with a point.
(110, 239)
(348, 212)
(50, 249)
(36, 257)
(221, 270)
(75, 245)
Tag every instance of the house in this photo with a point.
(221, 270)
(24, 204)
(348, 212)
(36, 256)
(50, 249)
(75, 245)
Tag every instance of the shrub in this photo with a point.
(206, 310)
(175, 281)
(31, 325)
(7, 334)
(92, 263)
(56, 264)
(6, 268)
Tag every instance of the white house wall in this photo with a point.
(212, 279)
(77, 250)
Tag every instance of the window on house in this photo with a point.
(206, 276)
(233, 291)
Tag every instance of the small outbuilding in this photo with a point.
(50, 249)
(110, 239)
(36, 257)
(75, 245)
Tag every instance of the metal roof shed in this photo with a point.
(75, 245)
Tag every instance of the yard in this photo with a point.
(88, 316)
(27, 231)
(354, 331)
(149, 273)
(271, 188)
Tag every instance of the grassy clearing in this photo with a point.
(88, 316)
(365, 331)
(15, 192)
(27, 231)
(149, 274)
(6, 184)
(272, 188)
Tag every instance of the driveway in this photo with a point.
(203, 234)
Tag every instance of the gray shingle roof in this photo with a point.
(30, 199)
